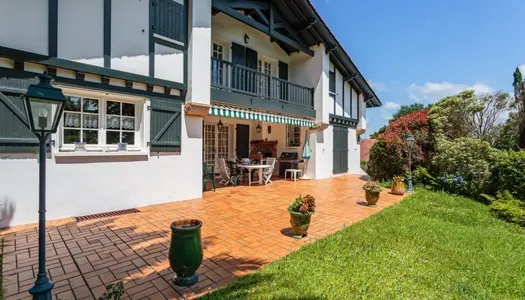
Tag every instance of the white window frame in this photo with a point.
(220, 67)
(216, 141)
(292, 127)
(141, 125)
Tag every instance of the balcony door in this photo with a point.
(216, 143)
(243, 79)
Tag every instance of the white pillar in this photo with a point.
(199, 51)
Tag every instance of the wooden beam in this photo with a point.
(262, 16)
(239, 4)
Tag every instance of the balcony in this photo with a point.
(229, 77)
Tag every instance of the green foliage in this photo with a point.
(506, 207)
(372, 186)
(387, 184)
(303, 205)
(421, 176)
(469, 157)
(509, 132)
(376, 134)
(114, 291)
(364, 166)
(431, 245)
(408, 109)
(518, 79)
(508, 173)
(385, 162)
(468, 115)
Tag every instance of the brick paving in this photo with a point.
(243, 229)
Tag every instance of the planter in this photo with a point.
(372, 197)
(398, 187)
(185, 253)
(300, 223)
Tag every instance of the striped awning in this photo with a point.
(247, 114)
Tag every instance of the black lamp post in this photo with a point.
(409, 141)
(44, 105)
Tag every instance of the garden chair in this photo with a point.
(208, 173)
(268, 172)
(224, 172)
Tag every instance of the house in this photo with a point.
(156, 87)
(366, 145)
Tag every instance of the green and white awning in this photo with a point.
(247, 114)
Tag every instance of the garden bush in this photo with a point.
(467, 157)
(508, 174)
(384, 162)
(508, 208)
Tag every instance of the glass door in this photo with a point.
(216, 143)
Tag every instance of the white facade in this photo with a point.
(103, 179)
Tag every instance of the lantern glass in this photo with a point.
(410, 141)
(43, 114)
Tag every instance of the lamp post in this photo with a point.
(409, 141)
(44, 105)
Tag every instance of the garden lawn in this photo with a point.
(431, 245)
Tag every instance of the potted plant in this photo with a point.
(398, 187)
(185, 254)
(301, 211)
(372, 190)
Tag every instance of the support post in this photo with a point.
(42, 288)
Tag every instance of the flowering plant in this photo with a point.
(372, 186)
(453, 184)
(304, 205)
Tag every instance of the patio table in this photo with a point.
(250, 168)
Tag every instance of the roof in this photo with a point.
(314, 31)
(366, 146)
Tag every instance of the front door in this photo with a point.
(216, 143)
(243, 141)
(340, 149)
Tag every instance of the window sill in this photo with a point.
(93, 153)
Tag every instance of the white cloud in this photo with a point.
(391, 106)
(378, 86)
(522, 69)
(433, 91)
(385, 114)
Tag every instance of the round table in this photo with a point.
(250, 168)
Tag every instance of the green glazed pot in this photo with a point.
(300, 223)
(185, 251)
(372, 198)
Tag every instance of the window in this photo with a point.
(264, 81)
(217, 71)
(101, 122)
(81, 120)
(331, 83)
(293, 135)
(120, 123)
(216, 143)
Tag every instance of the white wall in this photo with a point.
(24, 25)
(199, 52)
(339, 93)
(81, 31)
(169, 63)
(355, 99)
(362, 116)
(347, 102)
(130, 36)
(354, 157)
(78, 186)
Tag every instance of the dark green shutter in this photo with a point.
(15, 135)
(283, 74)
(169, 19)
(340, 149)
(165, 133)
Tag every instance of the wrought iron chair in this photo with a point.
(268, 172)
(208, 173)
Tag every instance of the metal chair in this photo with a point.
(224, 172)
(268, 172)
(208, 173)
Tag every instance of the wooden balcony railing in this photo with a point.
(227, 76)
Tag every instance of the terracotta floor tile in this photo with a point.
(237, 239)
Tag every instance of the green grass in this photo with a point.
(430, 246)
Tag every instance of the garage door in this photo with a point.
(340, 149)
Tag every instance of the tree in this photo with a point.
(407, 109)
(468, 115)
(520, 105)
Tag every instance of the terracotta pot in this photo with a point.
(185, 254)
(300, 223)
(398, 187)
(372, 197)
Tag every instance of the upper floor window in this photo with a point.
(331, 83)
(217, 67)
(293, 135)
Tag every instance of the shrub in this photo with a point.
(421, 176)
(508, 173)
(469, 157)
(387, 184)
(364, 166)
(384, 162)
(303, 205)
(506, 207)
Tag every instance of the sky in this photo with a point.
(423, 50)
